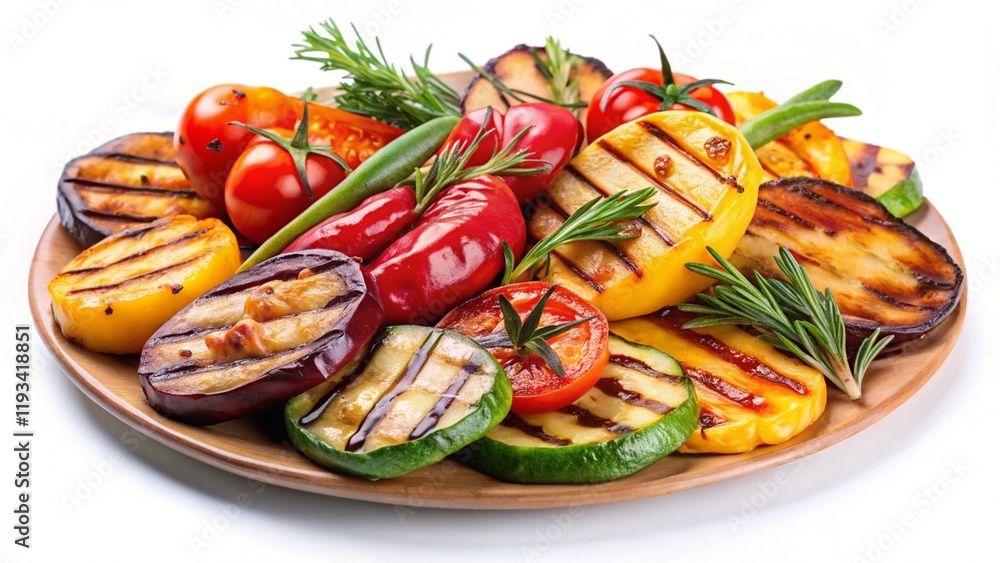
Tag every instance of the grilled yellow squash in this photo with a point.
(749, 393)
(114, 295)
(126, 183)
(706, 177)
(812, 150)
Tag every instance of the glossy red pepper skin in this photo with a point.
(453, 252)
(554, 136)
(366, 230)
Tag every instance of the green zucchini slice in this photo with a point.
(642, 408)
(418, 396)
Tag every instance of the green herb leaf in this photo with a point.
(791, 315)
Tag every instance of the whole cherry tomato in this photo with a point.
(582, 350)
(207, 146)
(266, 189)
(637, 92)
(553, 135)
(453, 252)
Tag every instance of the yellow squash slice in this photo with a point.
(114, 295)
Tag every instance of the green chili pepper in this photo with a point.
(807, 106)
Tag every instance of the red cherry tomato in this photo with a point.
(264, 192)
(628, 103)
(366, 230)
(207, 147)
(554, 136)
(583, 350)
(354, 137)
(453, 252)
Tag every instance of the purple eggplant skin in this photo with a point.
(361, 318)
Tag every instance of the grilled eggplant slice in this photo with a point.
(517, 70)
(706, 177)
(641, 409)
(887, 175)
(883, 273)
(749, 393)
(115, 294)
(261, 337)
(128, 182)
(420, 395)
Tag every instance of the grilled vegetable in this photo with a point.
(706, 178)
(261, 337)
(420, 395)
(811, 150)
(749, 393)
(115, 294)
(129, 182)
(519, 70)
(883, 273)
(887, 175)
(641, 409)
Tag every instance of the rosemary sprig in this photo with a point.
(792, 315)
(599, 219)
(451, 166)
(527, 337)
(556, 67)
(374, 86)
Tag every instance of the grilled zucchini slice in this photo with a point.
(420, 395)
(261, 337)
(641, 409)
(129, 182)
(706, 177)
(887, 175)
(518, 71)
(749, 393)
(114, 295)
(883, 273)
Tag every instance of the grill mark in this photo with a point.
(893, 301)
(141, 253)
(122, 217)
(666, 139)
(146, 275)
(577, 271)
(708, 419)
(124, 156)
(725, 389)
(662, 186)
(746, 362)
(864, 165)
(622, 257)
(344, 383)
(431, 419)
(517, 423)
(633, 364)
(405, 381)
(772, 207)
(659, 232)
(613, 388)
(586, 418)
(112, 187)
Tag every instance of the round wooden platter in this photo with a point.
(246, 448)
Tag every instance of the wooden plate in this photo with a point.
(244, 448)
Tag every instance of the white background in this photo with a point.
(923, 74)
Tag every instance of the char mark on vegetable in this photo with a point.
(614, 388)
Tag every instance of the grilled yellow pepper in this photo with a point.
(811, 150)
(706, 177)
(749, 393)
(114, 295)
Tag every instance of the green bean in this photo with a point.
(772, 124)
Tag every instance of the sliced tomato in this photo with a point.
(354, 137)
(583, 350)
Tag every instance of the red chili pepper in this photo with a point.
(453, 252)
(554, 136)
(366, 230)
